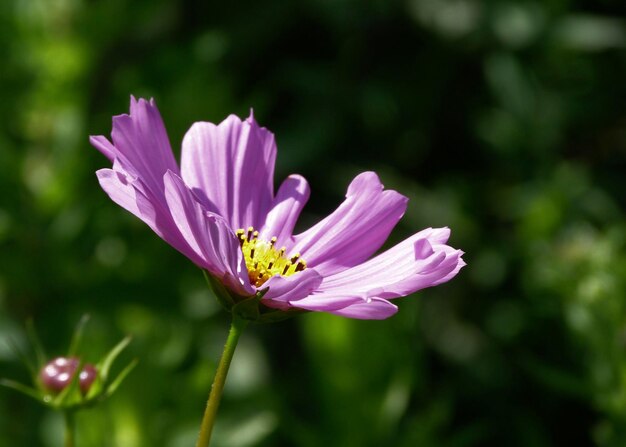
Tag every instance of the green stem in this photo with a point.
(70, 428)
(236, 328)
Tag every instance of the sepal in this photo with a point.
(73, 395)
(249, 308)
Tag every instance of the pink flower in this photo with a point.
(219, 209)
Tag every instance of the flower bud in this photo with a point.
(58, 373)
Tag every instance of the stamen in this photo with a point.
(240, 236)
(263, 260)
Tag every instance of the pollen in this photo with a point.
(264, 260)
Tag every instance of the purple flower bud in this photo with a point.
(58, 373)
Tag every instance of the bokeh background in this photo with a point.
(504, 120)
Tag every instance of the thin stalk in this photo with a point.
(236, 328)
(70, 428)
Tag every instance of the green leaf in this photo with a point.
(78, 335)
(37, 346)
(71, 394)
(15, 348)
(120, 378)
(24, 389)
(104, 366)
(95, 389)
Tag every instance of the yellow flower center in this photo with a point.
(263, 260)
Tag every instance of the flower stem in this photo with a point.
(70, 428)
(236, 328)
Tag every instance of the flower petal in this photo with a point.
(140, 145)
(230, 168)
(327, 302)
(418, 262)
(372, 309)
(132, 195)
(208, 235)
(120, 189)
(283, 289)
(288, 203)
(355, 230)
(104, 146)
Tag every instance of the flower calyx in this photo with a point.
(68, 383)
(249, 308)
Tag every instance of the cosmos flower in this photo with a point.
(219, 209)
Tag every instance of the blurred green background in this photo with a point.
(504, 120)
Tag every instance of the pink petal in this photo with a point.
(207, 234)
(372, 309)
(140, 145)
(283, 289)
(355, 230)
(230, 168)
(325, 302)
(133, 196)
(104, 146)
(416, 263)
(120, 189)
(288, 203)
